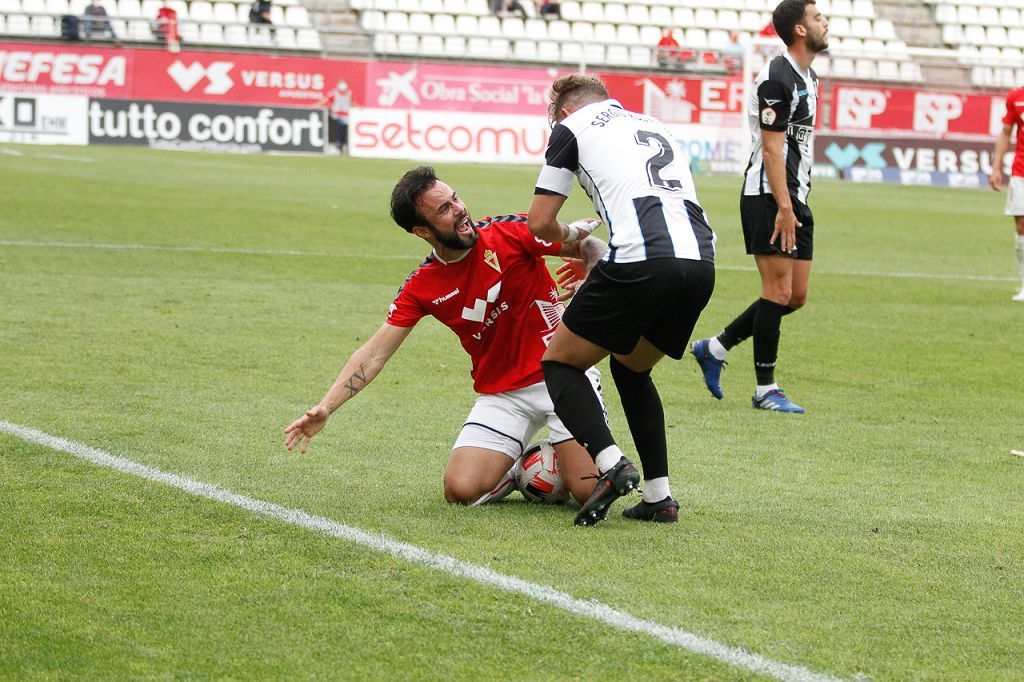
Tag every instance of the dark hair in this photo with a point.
(787, 15)
(571, 89)
(406, 195)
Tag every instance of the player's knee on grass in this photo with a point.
(462, 489)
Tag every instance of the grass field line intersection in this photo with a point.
(327, 254)
(594, 610)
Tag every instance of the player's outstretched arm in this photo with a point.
(362, 368)
(544, 223)
(995, 181)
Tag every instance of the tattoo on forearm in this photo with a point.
(356, 382)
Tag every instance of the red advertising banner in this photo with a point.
(917, 112)
(241, 78)
(679, 100)
(462, 88)
(223, 77)
(65, 70)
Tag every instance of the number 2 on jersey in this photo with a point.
(657, 163)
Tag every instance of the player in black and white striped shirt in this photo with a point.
(778, 226)
(642, 301)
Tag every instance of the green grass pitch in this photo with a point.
(881, 535)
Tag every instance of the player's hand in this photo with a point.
(995, 181)
(305, 427)
(785, 229)
(571, 274)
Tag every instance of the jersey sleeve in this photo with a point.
(406, 310)
(1011, 111)
(773, 103)
(561, 160)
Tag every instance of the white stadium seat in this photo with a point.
(513, 27)
(466, 25)
(605, 33)
(285, 36)
(455, 46)
(296, 16)
(444, 24)
(237, 34)
(548, 51)
(432, 45)
(420, 23)
(537, 29)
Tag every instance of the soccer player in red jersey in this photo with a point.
(487, 281)
(1015, 191)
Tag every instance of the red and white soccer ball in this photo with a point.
(537, 475)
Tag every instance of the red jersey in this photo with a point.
(499, 299)
(1015, 117)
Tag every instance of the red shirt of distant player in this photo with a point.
(1015, 117)
(499, 299)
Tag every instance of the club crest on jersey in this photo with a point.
(767, 116)
(491, 259)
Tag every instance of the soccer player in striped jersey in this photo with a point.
(1014, 117)
(778, 226)
(486, 281)
(641, 302)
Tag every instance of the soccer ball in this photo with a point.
(537, 475)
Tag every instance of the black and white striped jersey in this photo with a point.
(630, 166)
(783, 98)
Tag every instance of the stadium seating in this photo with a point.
(987, 35)
(616, 33)
(202, 22)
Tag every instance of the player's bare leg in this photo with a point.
(477, 475)
(784, 286)
(577, 468)
(1019, 222)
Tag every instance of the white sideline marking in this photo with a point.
(202, 249)
(595, 610)
(325, 254)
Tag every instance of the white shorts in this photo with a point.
(507, 422)
(1015, 196)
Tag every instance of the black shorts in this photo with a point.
(758, 216)
(659, 300)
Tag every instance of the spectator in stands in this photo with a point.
(508, 8)
(340, 101)
(549, 9)
(165, 27)
(100, 25)
(1014, 118)
(668, 49)
(259, 13)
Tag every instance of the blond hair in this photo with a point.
(572, 91)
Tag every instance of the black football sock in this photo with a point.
(739, 329)
(645, 416)
(577, 405)
(767, 329)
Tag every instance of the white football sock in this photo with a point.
(717, 349)
(506, 485)
(1020, 257)
(762, 390)
(656, 489)
(608, 458)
